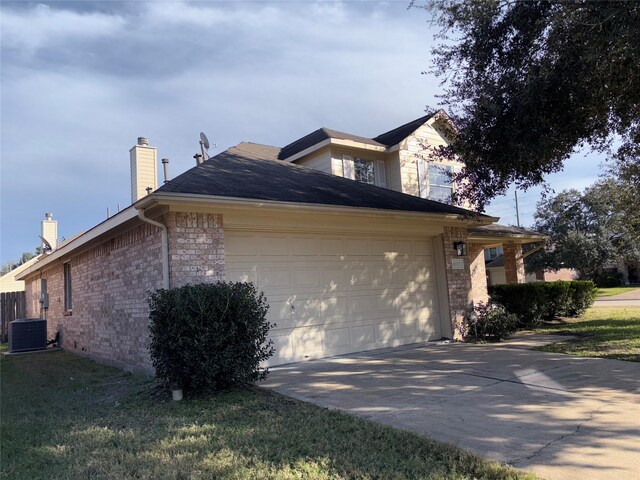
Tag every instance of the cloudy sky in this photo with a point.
(80, 81)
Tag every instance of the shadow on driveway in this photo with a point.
(559, 416)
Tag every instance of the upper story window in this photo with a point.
(440, 183)
(68, 304)
(435, 181)
(364, 170)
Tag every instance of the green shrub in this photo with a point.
(609, 279)
(535, 302)
(209, 337)
(582, 294)
(557, 298)
(489, 322)
(527, 301)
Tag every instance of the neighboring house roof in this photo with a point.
(496, 262)
(8, 282)
(318, 136)
(238, 175)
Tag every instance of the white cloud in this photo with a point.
(96, 79)
(31, 29)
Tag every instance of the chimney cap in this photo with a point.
(48, 216)
(143, 141)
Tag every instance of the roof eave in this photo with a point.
(102, 228)
(173, 198)
(498, 238)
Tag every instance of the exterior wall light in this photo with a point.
(460, 248)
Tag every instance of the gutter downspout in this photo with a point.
(165, 247)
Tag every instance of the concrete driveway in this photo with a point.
(628, 299)
(562, 417)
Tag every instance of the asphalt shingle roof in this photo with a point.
(235, 173)
(318, 136)
(395, 136)
(256, 150)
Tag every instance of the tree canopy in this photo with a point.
(586, 230)
(529, 82)
(24, 258)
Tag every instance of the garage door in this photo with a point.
(334, 294)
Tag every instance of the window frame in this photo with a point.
(378, 170)
(68, 289)
(371, 165)
(450, 186)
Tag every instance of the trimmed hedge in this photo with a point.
(209, 337)
(535, 302)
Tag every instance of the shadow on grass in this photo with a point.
(612, 333)
(66, 417)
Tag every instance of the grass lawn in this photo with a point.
(610, 292)
(66, 417)
(603, 332)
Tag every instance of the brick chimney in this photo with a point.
(49, 230)
(144, 169)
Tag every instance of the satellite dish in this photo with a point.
(204, 140)
(46, 246)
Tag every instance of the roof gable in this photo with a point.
(395, 136)
(231, 174)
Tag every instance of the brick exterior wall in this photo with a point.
(468, 285)
(196, 248)
(513, 263)
(111, 285)
(562, 274)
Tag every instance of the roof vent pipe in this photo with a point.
(165, 165)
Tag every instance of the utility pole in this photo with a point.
(517, 210)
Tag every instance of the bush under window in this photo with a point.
(209, 337)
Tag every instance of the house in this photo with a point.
(48, 234)
(496, 275)
(346, 235)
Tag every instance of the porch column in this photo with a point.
(479, 292)
(513, 263)
(458, 273)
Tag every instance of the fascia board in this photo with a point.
(230, 202)
(125, 215)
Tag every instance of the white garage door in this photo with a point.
(334, 294)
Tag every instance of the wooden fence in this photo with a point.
(12, 306)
